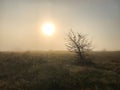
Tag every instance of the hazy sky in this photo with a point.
(21, 20)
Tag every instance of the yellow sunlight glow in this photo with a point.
(48, 28)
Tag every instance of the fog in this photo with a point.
(21, 20)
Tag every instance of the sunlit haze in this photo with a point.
(48, 28)
(43, 24)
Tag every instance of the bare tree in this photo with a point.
(78, 43)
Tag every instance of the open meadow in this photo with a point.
(58, 70)
(59, 44)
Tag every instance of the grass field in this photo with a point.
(57, 70)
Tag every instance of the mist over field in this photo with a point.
(59, 45)
(21, 23)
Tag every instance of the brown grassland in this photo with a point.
(58, 70)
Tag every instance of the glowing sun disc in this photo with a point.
(48, 28)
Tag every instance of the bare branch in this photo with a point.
(78, 43)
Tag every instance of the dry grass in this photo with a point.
(58, 71)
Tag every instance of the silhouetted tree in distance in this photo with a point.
(79, 44)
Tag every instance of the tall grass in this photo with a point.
(57, 71)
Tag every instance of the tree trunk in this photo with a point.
(81, 56)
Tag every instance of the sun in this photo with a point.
(48, 28)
